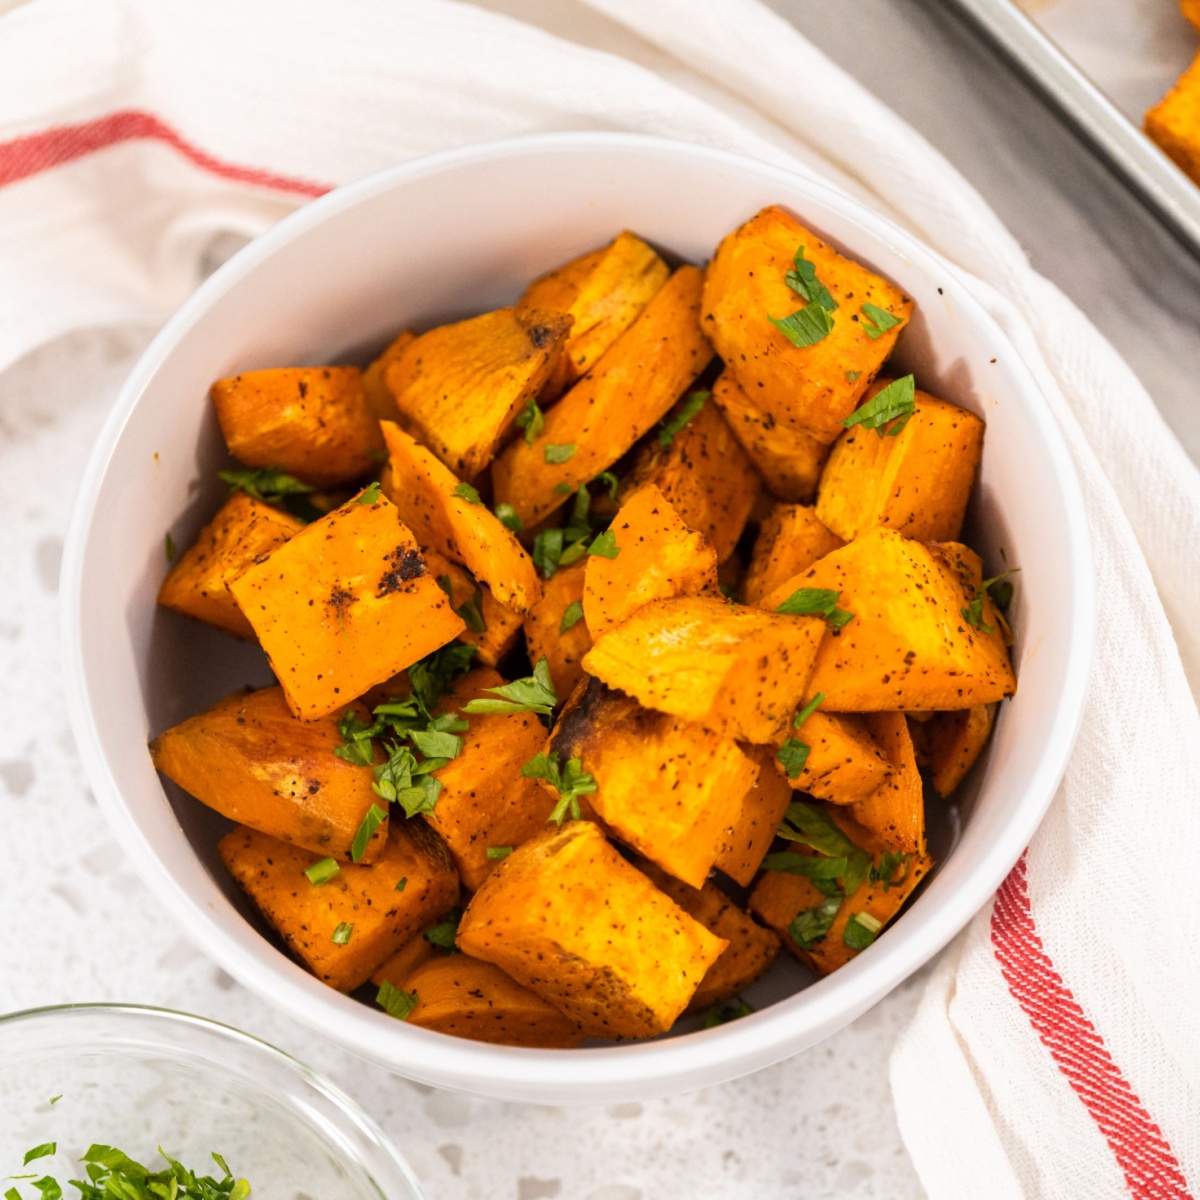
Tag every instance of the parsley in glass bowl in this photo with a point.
(78, 1080)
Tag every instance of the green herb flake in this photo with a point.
(861, 931)
(322, 872)
(725, 1013)
(793, 754)
(56, 1099)
(507, 516)
(496, 853)
(464, 491)
(532, 420)
(611, 482)
(1000, 588)
(806, 326)
(690, 407)
(895, 403)
(811, 826)
(571, 617)
(808, 710)
(547, 551)
(432, 675)
(853, 376)
(370, 823)
(556, 454)
(342, 934)
(268, 484)
(569, 780)
(535, 693)
(877, 321)
(471, 612)
(437, 743)
(402, 884)
(170, 548)
(802, 279)
(811, 925)
(369, 494)
(889, 863)
(817, 602)
(444, 932)
(605, 545)
(395, 1002)
(357, 747)
(45, 1150)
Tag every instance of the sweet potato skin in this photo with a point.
(243, 530)
(544, 635)
(631, 388)
(306, 916)
(251, 760)
(845, 764)
(566, 916)
(789, 541)
(313, 422)
(502, 626)
(954, 741)
(345, 604)
(763, 807)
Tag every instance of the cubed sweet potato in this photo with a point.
(954, 741)
(492, 628)
(313, 422)
(789, 460)
(604, 291)
(1191, 10)
(380, 400)
(545, 635)
(368, 909)
(460, 387)
(1174, 122)
(631, 388)
(811, 387)
(895, 810)
(254, 762)
(396, 969)
(738, 671)
(705, 475)
(845, 764)
(446, 517)
(763, 807)
(242, 531)
(916, 483)
(468, 998)
(789, 541)
(751, 950)
(909, 645)
(343, 605)
(670, 789)
(569, 918)
(658, 556)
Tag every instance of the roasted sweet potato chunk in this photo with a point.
(658, 556)
(344, 929)
(954, 741)
(396, 969)
(763, 807)
(845, 764)
(1174, 122)
(242, 531)
(555, 628)
(1191, 10)
(492, 628)
(254, 762)
(569, 918)
(895, 810)
(618, 400)
(468, 998)
(916, 483)
(738, 671)
(313, 422)
(446, 515)
(460, 387)
(808, 386)
(670, 789)
(789, 541)
(380, 400)
(909, 645)
(347, 603)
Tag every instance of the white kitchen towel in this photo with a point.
(1056, 1052)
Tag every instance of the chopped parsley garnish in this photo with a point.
(323, 871)
(342, 934)
(817, 602)
(811, 924)
(811, 826)
(401, 885)
(170, 548)
(464, 491)
(570, 781)
(556, 454)
(369, 494)
(432, 676)
(895, 403)
(268, 484)
(405, 781)
(532, 420)
(357, 747)
(45, 1150)
(802, 279)
(507, 516)
(535, 693)
(806, 326)
(370, 823)
(690, 407)
(443, 933)
(547, 551)
(793, 754)
(395, 1002)
(725, 1013)
(853, 376)
(554, 548)
(1000, 588)
(605, 545)
(889, 863)
(861, 930)
(877, 321)
(496, 853)
(609, 480)
(471, 612)
(571, 617)
(808, 710)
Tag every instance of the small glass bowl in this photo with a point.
(139, 1078)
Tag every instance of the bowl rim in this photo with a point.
(665, 1065)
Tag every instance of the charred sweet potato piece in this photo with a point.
(916, 483)
(738, 671)
(658, 557)
(909, 645)
(555, 628)
(763, 807)
(460, 387)
(343, 605)
(810, 387)
(895, 810)
(604, 291)
(670, 789)
(313, 422)
(242, 531)
(845, 764)
(1174, 122)
(468, 998)
(379, 398)
(492, 628)
(789, 541)
(705, 475)
(365, 908)
(954, 741)
(250, 759)
(446, 515)
(569, 918)
(619, 399)
(484, 801)
(789, 460)
(415, 952)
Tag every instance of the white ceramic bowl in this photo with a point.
(445, 237)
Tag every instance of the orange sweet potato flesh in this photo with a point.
(501, 626)
(909, 645)
(789, 541)
(789, 460)
(254, 762)
(622, 397)
(670, 789)
(468, 998)
(763, 807)
(313, 422)
(396, 969)
(545, 637)
(895, 811)
(379, 398)
(705, 475)
(1174, 122)
(344, 605)
(1191, 10)
(658, 556)
(566, 916)
(803, 387)
(954, 741)
(751, 950)
(845, 764)
(242, 531)
(916, 483)
(738, 671)
(426, 493)
(460, 387)
(306, 916)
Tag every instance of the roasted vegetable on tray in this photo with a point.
(607, 668)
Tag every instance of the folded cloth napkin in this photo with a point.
(1056, 1051)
